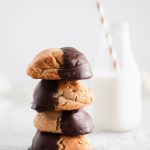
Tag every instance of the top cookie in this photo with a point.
(60, 63)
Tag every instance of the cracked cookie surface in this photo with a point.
(60, 63)
(57, 95)
(48, 141)
(70, 123)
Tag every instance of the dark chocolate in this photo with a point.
(76, 122)
(75, 66)
(43, 99)
(45, 141)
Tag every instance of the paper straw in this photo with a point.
(108, 37)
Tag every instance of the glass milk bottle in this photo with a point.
(117, 104)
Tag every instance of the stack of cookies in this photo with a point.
(59, 99)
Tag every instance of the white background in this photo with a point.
(28, 26)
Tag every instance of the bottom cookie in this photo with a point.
(49, 141)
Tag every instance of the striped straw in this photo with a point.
(108, 37)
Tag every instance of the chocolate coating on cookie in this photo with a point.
(43, 99)
(75, 65)
(76, 122)
(45, 141)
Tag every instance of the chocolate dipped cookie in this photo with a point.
(60, 63)
(70, 123)
(57, 95)
(48, 141)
